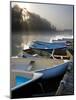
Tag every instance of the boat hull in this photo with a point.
(51, 78)
(54, 71)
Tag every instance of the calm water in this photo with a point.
(19, 40)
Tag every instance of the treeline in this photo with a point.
(23, 20)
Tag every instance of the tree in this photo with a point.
(23, 20)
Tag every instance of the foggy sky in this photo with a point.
(59, 15)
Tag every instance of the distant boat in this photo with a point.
(56, 50)
(47, 46)
(67, 41)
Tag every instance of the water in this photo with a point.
(19, 40)
(20, 80)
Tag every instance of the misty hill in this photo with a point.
(23, 20)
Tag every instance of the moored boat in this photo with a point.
(32, 71)
(56, 50)
(48, 67)
(38, 64)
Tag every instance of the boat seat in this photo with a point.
(23, 66)
(61, 57)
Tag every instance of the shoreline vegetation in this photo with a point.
(23, 20)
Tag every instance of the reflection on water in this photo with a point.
(22, 39)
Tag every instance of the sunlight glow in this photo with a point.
(25, 46)
(61, 37)
(59, 15)
(25, 14)
(22, 5)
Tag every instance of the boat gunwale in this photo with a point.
(36, 71)
(51, 67)
(25, 83)
(68, 61)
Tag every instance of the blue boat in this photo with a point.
(47, 46)
(55, 71)
(48, 67)
(45, 68)
(57, 50)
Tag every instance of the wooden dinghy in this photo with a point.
(49, 67)
(44, 49)
(36, 70)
